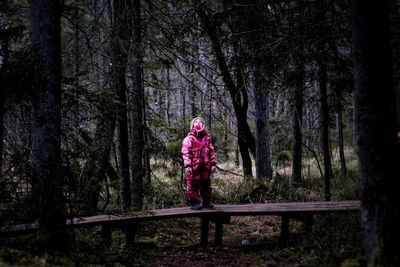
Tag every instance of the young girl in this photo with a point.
(199, 162)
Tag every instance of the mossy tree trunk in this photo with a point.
(137, 167)
(46, 134)
(377, 145)
(122, 30)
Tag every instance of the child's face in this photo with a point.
(198, 125)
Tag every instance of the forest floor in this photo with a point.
(243, 240)
(247, 241)
(335, 239)
(254, 241)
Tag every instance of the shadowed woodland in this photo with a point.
(301, 97)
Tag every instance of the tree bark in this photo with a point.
(253, 18)
(263, 156)
(137, 168)
(377, 146)
(339, 110)
(340, 134)
(244, 153)
(233, 90)
(323, 86)
(297, 123)
(395, 18)
(167, 98)
(96, 166)
(122, 25)
(242, 99)
(110, 171)
(3, 68)
(46, 133)
(183, 101)
(296, 21)
(2, 182)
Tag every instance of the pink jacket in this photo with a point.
(196, 150)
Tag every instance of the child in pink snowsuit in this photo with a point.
(199, 162)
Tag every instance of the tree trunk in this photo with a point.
(395, 18)
(323, 86)
(110, 171)
(233, 90)
(297, 123)
(167, 98)
(244, 153)
(194, 101)
(137, 168)
(3, 67)
(242, 99)
(339, 110)
(46, 133)
(77, 64)
(162, 95)
(263, 156)
(183, 101)
(377, 145)
(340, 134)
(96, 166)
(122, 26)
(296, 21)
(2, 182)
(210, 99)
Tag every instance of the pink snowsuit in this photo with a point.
(199, 154)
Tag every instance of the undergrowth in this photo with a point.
(248, 241)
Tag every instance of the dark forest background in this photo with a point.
(301, 98)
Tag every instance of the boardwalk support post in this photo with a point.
(204, 231)
(285, 227)
(219, 225)
(106, 234)
(308, 223)
(129, 230)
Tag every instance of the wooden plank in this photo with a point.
(281, 208)
(114, 220)
(240, 210)
(18, 229)
(229, 210)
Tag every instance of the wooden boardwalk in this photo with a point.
(221, 215)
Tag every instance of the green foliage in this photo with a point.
(166, 140)
(173, 151)
(335, 238)
(278, 190)
(222, 144)
(164, 192)
(281, 159)
(248, 191)
(345, 187)
(16, 257)
(279, 133)
(17, 211)
(284, 191)
(358, 262)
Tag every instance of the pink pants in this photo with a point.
(198, 185)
